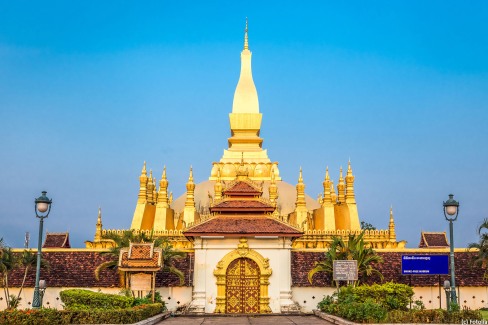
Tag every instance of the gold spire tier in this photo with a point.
(245, 127)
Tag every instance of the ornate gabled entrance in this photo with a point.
(242, 287)
(242, 281)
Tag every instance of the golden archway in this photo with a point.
(264, 273)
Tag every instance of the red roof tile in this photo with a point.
(433, 239)
(391, 268)
(76, 269)
(240, 225)
(56, 240)
(242, 205)
(242, 188)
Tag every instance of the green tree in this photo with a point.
(10, 261)
(481, 258)
(354, 248)
(367, 226)
(7, 263)
(169, 254)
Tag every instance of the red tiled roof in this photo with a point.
(238, 205)
(240, 225)
(433, 239)
(242, 188)
(391, 268)
(127, 262)
(76, 269)
(56, 240)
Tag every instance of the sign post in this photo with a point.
(345, 270)
(425, 264)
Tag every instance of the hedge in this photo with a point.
(86, 299)
(95, 316)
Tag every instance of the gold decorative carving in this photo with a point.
(243, 253)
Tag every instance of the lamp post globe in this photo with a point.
(451, 211)
(42, 207)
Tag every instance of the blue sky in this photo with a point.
(89, 90)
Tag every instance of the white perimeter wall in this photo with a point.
(170, 295)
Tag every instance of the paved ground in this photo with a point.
(244, 320)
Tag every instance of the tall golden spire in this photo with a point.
(246, 40)
(246, 95)
(341, 188)
(142, 197)
(98, 232)
(391, 226)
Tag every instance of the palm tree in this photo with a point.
(354, 249)
(481, 258)
(169, 254)
(29, 260)
(7, 263)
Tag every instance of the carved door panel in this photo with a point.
(242, 287)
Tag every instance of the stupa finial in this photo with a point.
(246, 39)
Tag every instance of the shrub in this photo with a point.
(389, 295)
(94, 316)
(438, 316)
(86, 299)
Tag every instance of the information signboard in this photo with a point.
(345, 270)
(425, 264)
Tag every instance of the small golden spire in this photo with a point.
(333, 195)
(142, 197)
(170, 198)
(273, 190)
(98, 231)
(162, 197)
(190, 188)
(350, 197)
(391, 226)
(218, 186)
(246, 39)
(341, 188)
(327, 196)
(300, 191)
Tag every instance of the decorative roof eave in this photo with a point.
(239, 234)
(139, 269)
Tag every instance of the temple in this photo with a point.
(249, 238)
(243, 223)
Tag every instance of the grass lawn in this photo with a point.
(484, 313)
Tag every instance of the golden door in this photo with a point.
(242, 287)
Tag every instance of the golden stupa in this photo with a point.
(334, 213)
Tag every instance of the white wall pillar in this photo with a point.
(197, 305)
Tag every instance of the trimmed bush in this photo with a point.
(95, 316)
(436, 316)
(86, 299)
(391, 296)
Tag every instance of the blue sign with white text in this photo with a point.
(425, 264)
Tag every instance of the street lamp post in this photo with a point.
(451, 208)
(42, 208)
